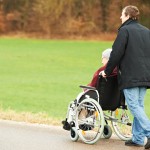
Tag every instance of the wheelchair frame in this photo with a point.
(97, 122)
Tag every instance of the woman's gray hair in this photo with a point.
(106, 53)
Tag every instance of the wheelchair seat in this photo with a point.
(110, 97)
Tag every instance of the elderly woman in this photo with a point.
(105, 58)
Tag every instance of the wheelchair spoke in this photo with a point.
(122, 126)
(89, 121)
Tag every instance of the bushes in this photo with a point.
(66, 17)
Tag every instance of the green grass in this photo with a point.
(43, 75)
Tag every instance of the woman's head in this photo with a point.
(105, 56)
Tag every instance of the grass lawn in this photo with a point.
(43, 75)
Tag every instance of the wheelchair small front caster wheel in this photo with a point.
(107, 133)
(74, 135)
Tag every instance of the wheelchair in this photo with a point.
(96, 111)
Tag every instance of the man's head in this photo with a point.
(129, 12)
(106, 55)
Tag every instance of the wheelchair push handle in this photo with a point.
(100, 76)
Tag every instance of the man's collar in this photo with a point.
(127, 22)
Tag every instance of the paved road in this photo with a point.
(23, 136)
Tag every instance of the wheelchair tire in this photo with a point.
(89, 121)
(122, 126)
(107, 132)
(73, 134)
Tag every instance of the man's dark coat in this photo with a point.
(131, 54)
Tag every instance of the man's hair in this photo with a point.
(132, 11)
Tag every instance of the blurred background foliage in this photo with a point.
(66, 17)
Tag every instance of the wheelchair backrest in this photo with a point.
(110, 97)
(89, 93)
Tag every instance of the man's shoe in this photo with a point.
(131, 143)
(147, 146)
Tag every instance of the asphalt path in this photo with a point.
(25, 136)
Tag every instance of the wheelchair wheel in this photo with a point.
(73, 134)
(122, 124)
(107, 132)
(89, 121)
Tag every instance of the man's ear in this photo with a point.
(128, 16)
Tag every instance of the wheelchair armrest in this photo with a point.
(87, 87)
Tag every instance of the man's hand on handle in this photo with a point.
(103, 74)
